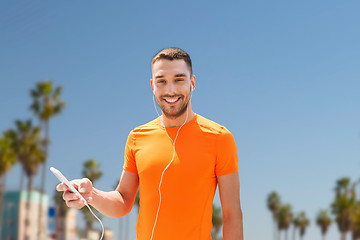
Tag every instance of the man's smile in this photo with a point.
(171, 100)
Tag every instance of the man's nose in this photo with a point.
(171, 89)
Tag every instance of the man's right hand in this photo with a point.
(84, 187)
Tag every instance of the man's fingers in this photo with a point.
(85, 185)
(89, 200)
(69, 196)
(61, 187)
(77, 204)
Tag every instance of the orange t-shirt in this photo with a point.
(204, 150)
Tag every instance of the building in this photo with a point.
(51, 222)
(66, 224)
(15, 211)
(109, 234)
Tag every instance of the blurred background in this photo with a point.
(282, 76)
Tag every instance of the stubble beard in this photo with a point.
(169, 111)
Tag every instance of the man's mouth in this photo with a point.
(171, 100)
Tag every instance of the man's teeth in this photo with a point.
(171, 100)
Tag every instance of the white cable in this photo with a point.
(102, 226)
(172, 159)
(156, 108)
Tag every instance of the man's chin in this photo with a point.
(171, 116)
(174, 115)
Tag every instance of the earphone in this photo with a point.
(173, 156)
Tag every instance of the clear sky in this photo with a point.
(282, 76)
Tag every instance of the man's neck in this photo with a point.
(177, 122)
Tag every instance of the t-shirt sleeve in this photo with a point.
(227, 158)
(129, 156)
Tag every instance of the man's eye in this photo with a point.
(161, 81)
(179, 80)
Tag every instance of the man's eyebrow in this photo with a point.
(159, 76)
(180, 75)
(177, 75)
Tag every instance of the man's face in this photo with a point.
(171, 83)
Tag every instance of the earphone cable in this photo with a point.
(102, 226)
(172, 159)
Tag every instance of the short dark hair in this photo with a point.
(171, 54)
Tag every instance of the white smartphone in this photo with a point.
(63, 179)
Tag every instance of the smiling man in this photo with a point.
(177, 161)
(172, 84)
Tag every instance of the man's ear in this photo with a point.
(193, 82)
(152, 85)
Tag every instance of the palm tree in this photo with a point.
(343, 205)
(284, 217)
(91, 171)
(303, 223)
(273, 203)
(46, 104)
(7, 160)
(29, 148)
(324, 221)
(296, 225)
(356, 224)
(217, 220)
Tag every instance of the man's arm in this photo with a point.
(229, 189)
(116, 203)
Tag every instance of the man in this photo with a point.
(176, 161)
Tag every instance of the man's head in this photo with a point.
(173, 54)
(172, 81)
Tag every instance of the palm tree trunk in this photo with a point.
(275, 228)
(60, 232)
(28, 206)
(2, 194)
(22, 177)
(43, 178)
(323, 236)
(343, 235)
(279, 234)
(294, 233)
(286, 234)
(88, 228)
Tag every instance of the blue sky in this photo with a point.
(282, 76)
